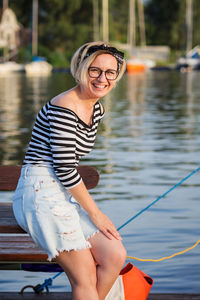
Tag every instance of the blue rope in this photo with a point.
(160, 197)
(47, 282)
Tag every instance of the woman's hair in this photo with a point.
(87, 53)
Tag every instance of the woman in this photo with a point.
(51, 202)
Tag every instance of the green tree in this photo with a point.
(62, 25)
(118, 20)
(165, 23)
(196, 22)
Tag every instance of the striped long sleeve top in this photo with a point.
(59, 139)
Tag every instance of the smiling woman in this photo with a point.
(59, 213)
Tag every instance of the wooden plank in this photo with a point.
(68, 296)
(6, 209)
(10, 266)
(9, 176)
(174, 297)
(8, 224)
(20, 249)
(33, 296)
(89, 175)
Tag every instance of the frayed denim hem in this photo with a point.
(58, 251)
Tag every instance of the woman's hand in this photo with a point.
(105, 225)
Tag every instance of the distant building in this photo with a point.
(12, 35)
(9, 30)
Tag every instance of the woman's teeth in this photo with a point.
(99, 86)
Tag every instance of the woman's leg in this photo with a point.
(81, 271)
(110, 256)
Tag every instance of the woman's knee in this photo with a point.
(115, 256)
(119, 255)
(107, 251)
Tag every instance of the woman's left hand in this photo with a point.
(105, 225)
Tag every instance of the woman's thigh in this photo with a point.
(43, 208)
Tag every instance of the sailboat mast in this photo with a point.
(5, 4)
(131, 25)
(95, 20)
(105, 20)
(189, 24)
(141, 23)
(35, 28)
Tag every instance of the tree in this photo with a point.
(166, 23)
(62, 25)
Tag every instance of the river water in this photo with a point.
(148, 141)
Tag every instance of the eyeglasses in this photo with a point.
(95, 72)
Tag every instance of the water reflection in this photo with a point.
(136, 91)
(10, 100)
(21, 97)
(37, 88)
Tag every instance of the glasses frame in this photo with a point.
(101, 71)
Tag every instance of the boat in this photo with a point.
(191, 61)
(10, 67)
(38, 67)
(139, 65)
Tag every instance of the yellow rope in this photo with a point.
(167, 257)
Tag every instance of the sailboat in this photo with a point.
(191, 61)
(135, 64)
(10, 67)
(39, 66)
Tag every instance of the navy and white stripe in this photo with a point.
(60, 139)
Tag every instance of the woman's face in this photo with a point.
(100, 86)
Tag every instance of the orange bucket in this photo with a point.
(131, 284)
(137, 284)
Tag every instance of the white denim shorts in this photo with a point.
(47, 211)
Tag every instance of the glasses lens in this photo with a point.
(95, 72)
(111, 74)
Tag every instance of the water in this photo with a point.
(148, 141)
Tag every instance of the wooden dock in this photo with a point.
(67, 296)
